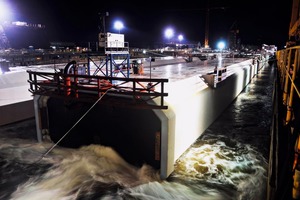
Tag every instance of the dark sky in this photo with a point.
(259, 21)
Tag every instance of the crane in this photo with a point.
(207, 10)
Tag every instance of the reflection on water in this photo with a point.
(234, 170)
(229, 161)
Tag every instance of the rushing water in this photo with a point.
(228, 161)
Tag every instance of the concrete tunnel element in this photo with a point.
(144, 136)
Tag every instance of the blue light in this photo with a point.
(180, 37)
(169, 33)
(118, 25)
(221, 45)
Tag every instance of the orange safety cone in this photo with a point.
(141, 69)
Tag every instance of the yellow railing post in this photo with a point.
(288, 64)
(286, 82)
(282, 67)
(290, 103)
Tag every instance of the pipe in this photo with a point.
(69, 66)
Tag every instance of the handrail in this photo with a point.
(288, 63)
(87, 87)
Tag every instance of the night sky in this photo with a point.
(259, 21)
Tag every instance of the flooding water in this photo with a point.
(228, 161)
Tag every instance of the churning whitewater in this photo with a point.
(212, 168)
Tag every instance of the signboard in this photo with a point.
(111, 40)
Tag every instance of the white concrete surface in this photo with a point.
(193, 107)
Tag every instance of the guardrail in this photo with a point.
(288, 63)
(137, 92)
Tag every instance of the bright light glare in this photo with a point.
(118, 25)
(169, 33)
(180, 37)
(221, 45)
(4, 11)
(18, 23)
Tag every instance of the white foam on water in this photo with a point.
(216, 168)
(220, 160)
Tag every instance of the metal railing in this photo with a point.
(134, 92)
(288, 63)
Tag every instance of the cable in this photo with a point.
(45, 154)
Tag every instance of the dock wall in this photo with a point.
(16, 112)
(16, 102)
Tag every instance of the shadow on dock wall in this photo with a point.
(133, 133)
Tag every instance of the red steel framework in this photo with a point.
(138, 92)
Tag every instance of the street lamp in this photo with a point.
(118, 25)
(221, 45)
(169, 33)
(180, 38)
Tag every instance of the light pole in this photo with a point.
(180, 38)
(150, 66)
(221, 46)
(5, 15)
(149, 85)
